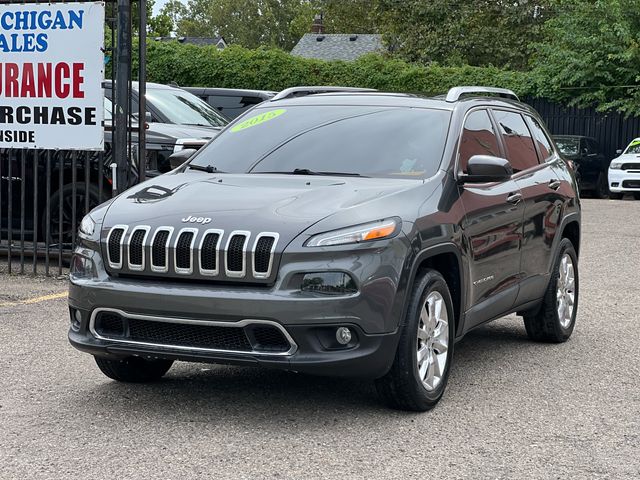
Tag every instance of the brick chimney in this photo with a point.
(318, 24)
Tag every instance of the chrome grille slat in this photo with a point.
(191, 251)
(235, 254)
(209, 252)
(136, 247)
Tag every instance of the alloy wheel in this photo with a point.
(433, 341)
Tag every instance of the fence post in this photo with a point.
(123, 75)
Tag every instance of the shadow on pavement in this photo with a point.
(201, 392)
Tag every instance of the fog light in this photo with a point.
(343, 335)
(615, 184)
(329, 283)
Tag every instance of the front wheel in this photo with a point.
(615, 195)
(555, 319)
(419, 374)
(134, 369)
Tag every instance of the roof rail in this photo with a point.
(302, 91)
(454, 94)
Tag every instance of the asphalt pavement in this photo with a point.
(513, 408)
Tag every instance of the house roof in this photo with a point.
(337, 46)
(193, 40)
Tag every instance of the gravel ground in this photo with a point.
(513, 409)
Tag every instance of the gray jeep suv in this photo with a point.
(336, 231)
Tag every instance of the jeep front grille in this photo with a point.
(208, 253)
(261, 337)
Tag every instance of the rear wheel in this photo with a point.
(134, 369)
(420, 371)
(555, 319)
(602, 186)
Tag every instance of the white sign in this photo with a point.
(51, 73)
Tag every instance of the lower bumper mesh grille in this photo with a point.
(252, 337)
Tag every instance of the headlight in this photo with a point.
(87, 227)
(356, 234)
(615, 165)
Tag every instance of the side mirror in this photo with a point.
(178, 158)
(485, 168)
(619, 151)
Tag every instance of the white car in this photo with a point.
(624, 172)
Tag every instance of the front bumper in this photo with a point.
(621, 181)
(312, 349)
(310, 321)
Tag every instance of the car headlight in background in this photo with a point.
(359, 233)
(87, 227)
(615, 165)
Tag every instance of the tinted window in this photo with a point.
(478, 138)
(364, 140)
(544, 144)
(517, 139)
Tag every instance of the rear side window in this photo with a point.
(544, 144)
(478, 138)
(521, 152)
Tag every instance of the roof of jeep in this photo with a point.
(389, 99)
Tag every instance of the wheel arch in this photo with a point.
(446, 260)
(571, 230)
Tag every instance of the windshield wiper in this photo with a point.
(306, 171)
(204, 168)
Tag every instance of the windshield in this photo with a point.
(633, 148)
(184, 108)
(567, 146)
(350, 140)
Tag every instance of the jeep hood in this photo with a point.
(285, 204)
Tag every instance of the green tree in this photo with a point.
(591, 54)
(472, 32)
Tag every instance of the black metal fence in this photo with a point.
(611, 130)
(44, 194)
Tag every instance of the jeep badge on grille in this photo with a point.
(192, 219)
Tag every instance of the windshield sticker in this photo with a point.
(258, 119)
(634, 143)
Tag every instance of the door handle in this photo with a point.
(554, 184)
(514, 198)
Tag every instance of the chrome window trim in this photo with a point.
(117, 266)
(184, 271)
(216, 271)
(132, 266)
(155, 268)
(266, 274)
(189, 321)
(243, 272)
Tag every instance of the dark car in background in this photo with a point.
(76, 182)
(232, 102)
(590, 162)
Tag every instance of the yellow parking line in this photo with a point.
(33, 300)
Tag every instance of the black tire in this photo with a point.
(615, 196)
(544, 324)
(636, 196)
(134, 369)
(402, 387)
(602, 186)
(68, 228)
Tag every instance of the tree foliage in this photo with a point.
(591, 54)
(479, 32)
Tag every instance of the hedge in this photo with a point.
(273, 69)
